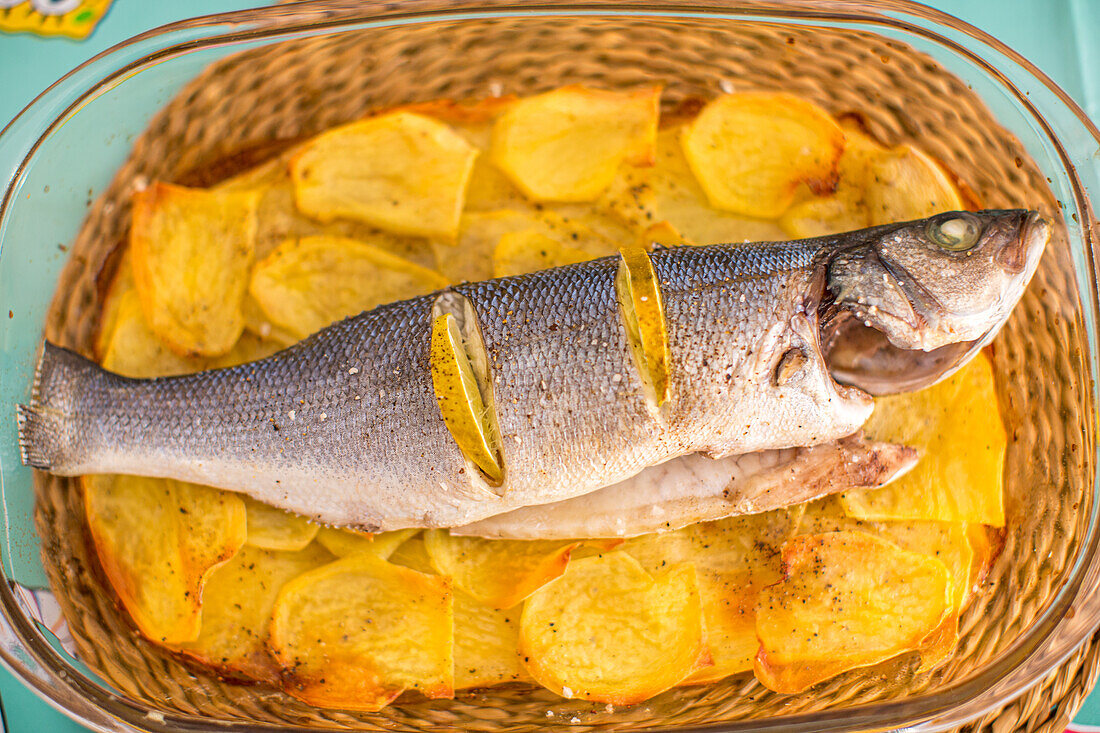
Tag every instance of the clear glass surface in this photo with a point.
(60, 153)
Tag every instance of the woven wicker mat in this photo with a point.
(304, 86)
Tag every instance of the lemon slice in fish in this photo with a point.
(460, 400)
(644, 317)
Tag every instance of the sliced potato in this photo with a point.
(480, 234)
(608, 631)
(680, 200)
(121, 284)
(661, 234)
(751, 150)
(568, 144)
(644, 317)
(847, 599)
(958, 428)
(414, 554)
(309, 283)
(343, 542)
(133, 350)
(847, 208)
(463, 407)
(358, 632)
(158, 540)
(486, 644)
(270, 528)
(907, 184)
(529, 250)
(734, 559)
(237, 602)
(400, 171)
(948, 542)
(191, 250)
(497, 573)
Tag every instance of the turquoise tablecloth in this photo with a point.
(1058, 35)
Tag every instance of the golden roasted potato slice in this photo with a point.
(308, 283)
(847, 208)
(678, 199)
(480, 234)
(121, 284)
(958, 428)
(270, 528)
(414, 555)
(906, 184)
(529, 250)
(568, 144)
(158, 540)
(486, 644)
(498, 573)
(133, 350)
(237, 602)
(400, 171)
(343, 542)
(608, 631)
(191, 250)
(734, 558)
(356, 633)
(750, 151)
(847, 599)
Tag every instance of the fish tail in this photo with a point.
(49, 438)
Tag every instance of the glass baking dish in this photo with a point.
(1009, 133)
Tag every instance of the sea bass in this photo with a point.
(770, 346)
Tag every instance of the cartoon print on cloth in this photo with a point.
(73, 18)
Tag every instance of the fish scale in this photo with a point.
(345, 426)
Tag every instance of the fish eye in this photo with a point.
(957, 233)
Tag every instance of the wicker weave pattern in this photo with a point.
(300, 88)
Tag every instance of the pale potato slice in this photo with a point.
(678, 199)
(957, 426)
(644, 317)
(121, 284)
(847, 208)
(480, 233)
(486, 644)
(309, 283)
(948, 542)
(847, 600)
(356, 633)
(750, 151)
(734, 559)
(191, 251)
(343, 542)
(608, 631)
(907, 184)
(133, 350)
(568, 144)
(400, 171)
(413, 554)
(237, 601)
(529, 250)
(661, 234)
(157, 541)
(270, 528)
(497, 573)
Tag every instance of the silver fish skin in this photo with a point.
(694, 488)
(344, 427)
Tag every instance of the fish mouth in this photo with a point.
(859, 352)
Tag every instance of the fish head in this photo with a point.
(912, 302)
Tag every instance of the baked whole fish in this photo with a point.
(771, 346)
